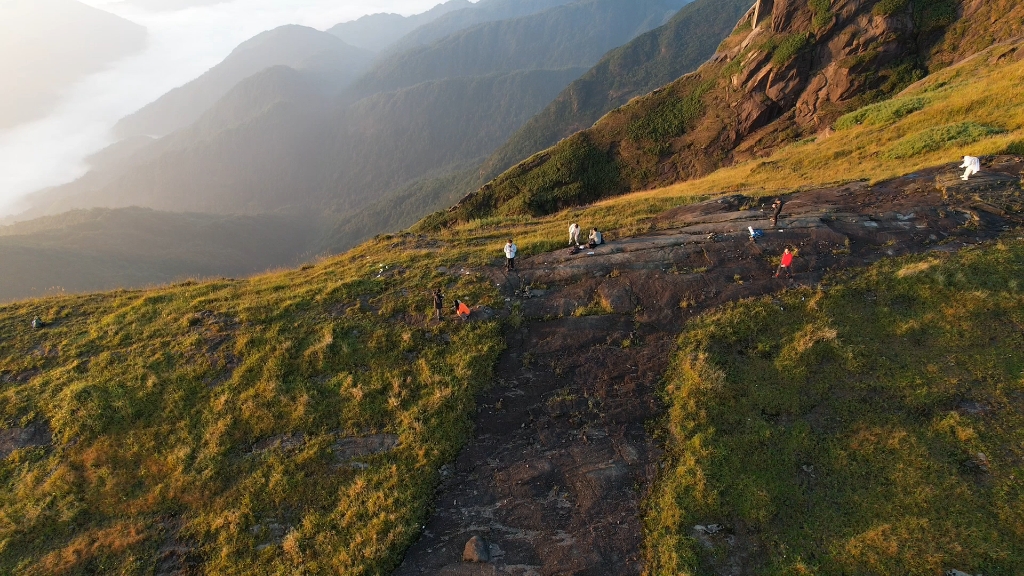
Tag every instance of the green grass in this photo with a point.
(156, 398)
(882, 114)
(843, 426)
(789, 47)
(939, 137)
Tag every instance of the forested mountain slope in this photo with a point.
(645, 63)
(309, 155)
(787, 76)
(573, 35)
(478, 13)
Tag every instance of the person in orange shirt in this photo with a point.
(786, 264)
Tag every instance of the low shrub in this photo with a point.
(934, 139)
(882, 114)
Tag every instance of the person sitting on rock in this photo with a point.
(574, 234)
(972, 165)
(461, 310)
(596, 239)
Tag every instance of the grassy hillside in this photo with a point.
(650, 61)
(871, 427)
(168, 406)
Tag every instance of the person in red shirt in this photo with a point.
(786, 264)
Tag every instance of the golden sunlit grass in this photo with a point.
(875, 427)
(157, 398)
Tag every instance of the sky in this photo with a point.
(182, 45)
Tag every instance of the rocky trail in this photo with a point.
(553, 481)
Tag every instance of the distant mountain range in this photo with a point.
(375, 32)
(287, 126)
(321, 55)
(169, 5)
(48, 45)
(280, 139)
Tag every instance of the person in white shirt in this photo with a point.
(574, 234)
(596, 239)
(510, 255)
(973, 166)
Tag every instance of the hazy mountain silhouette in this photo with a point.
(48, 45)
(98, 249)
(573, 35)
(169, 5)
(375, 32)
(482, 11)
(306, 153)
(295, 46)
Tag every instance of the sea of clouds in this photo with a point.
(182, 45)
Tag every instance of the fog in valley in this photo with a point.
(72, 69)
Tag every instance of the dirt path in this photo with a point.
(555, 477)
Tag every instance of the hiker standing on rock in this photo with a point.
(574, 234)
(510, 255)
(776, 211)
(786, 264)
(438, 303)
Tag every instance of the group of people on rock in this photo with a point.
(593, 241)
(971, 164)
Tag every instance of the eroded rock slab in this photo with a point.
(556, 473)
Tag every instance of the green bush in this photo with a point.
(882, 114)
(932, 139)
(789, 47)
(822, 12)
(1016, 147)
(889, 7)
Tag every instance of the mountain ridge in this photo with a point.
(787, 77)
(291, 45)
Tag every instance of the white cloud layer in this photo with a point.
(182, 45)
